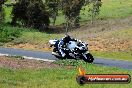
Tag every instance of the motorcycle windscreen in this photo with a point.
(71, 45)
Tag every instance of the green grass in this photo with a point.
(35, 37)
(56, 78)
(109, 9)
(25, 35)
(127, 56)
(116, 8)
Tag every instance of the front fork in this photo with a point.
(84, 54)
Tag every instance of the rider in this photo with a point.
(62, 44)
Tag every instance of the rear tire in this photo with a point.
(89, 58)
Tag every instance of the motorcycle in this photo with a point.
(73, 50)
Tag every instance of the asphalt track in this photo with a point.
(49, 56)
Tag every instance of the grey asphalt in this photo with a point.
(48, 55)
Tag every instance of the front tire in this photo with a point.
(88, 58)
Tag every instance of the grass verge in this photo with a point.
(61, 77)
(127, 56)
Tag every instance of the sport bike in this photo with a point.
(73, 50)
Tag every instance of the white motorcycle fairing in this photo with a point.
(52, 42)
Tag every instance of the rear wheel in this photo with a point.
(88, 58)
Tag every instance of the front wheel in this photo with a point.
(88, 58)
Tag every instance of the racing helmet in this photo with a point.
(67, 38)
